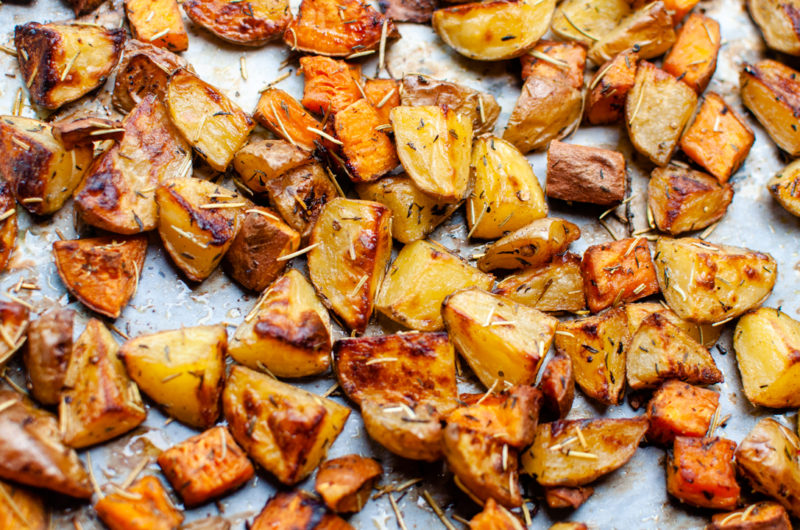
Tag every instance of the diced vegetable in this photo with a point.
(648, 30)
(617, 272)
(554, 286)
(693, 58)
(251, 23)
(158, 22)
(48, 354)
(145, 504)
(345, 483)
(585, 174)
(680, 409)
(700, 472)
(769, 89)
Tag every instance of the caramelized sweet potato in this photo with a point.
(700, 472)
(680, 409)
(330, 85)
(297, 509)
(585, 174)
(384, 95)
(282, 114)
(345, 483)
(144, 69)
(48, 353)
(14, 319)
(565, 497)
(145, 504)
(554, 286)
(158, 22)
(22, 508)
(557, 386)
(495, 517)
(693, 58)
(567, 61)
(8, 222)
(250, 23)
(368, 152)
(765, 515)
(770, 90)
(509, 416)
(605, 99)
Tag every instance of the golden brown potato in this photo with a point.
(85, 131)
(213, 124)
(495, 30)
(41, 173)
(22, 508)
(502, 341)
(197, 221)
(783, 186)
(608, 89)
(585, 174)
(778, 24)
(506, 194)
(48, 353)
(405, 385)
(419, 280)
(287, 333)
(769, 90)
(495, 517)
(118, 191)
(705, 334)
(693, 59)
(708, 283)
(62, 62)
(597, 346)
(158, 22)
(433, 144)
(251, 23)
(557, 458)
(530, 246)
(8, 221)
(345, 483)
(700, 472)
(297, 509)
(145, 503)
(766, 515)
(33, 452)
(14, 320)
(683, 200)
(182, 370)
(657, 109)
(352, 245)
(585, 21)
(647, 30)
(286, 430)
(557, 386)
(554, 286)
(565, 497)
(261, 161)
(144, 69)
(101, 272)
(99, 401)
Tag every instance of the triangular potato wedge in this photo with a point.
(101, 272)
(705, 334)
(14, 320)
(530, 246)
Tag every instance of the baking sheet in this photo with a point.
(633, 497)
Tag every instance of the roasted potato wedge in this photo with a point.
(783, 186)
(766, 514)
(419, 280)
(62, 62)
(705, 334)
(99, 401)
(648, 30)
(145, 504)
(778, 24)
(158, 22)
(608, 89)
(708, 283)
(769, 90)
(252, 23)
(495, 517)
(14, 320)
(213, 124)
(585, 174)
(554, 286)
(85, 131)
(144, 69)
(345, 483)
(585, 21)
(680, 409)
(8, 221)
(367, 151)
(286, 430)
(22, 508)
(197, 221)
(693, 58)
(500, 339)
(506, 194)
(352, 243)
(495, 30)
(563, 61)
(330, 85)
(292, 122)
(261, 161)
(611, 441)
(700, 472)
(41, 173)
(297, 509)
(557, 386)
(289, 333)
(532, 245)
(182, 370)
(33, 452)
(433, 144)
(48, 354)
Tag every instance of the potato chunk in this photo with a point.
(419, 280)
(345, 483)
(657, 109)
(85, 131)
(213, 124)
(584, 21)
(144, 69)
(778, 24)
(41, 173)
(405, 385)
(611, 441)
(330, 85)
(783, 186)
(693, 59)
(21, 506)
(433, 144)
(683, 200)
(557, 386)
(493, 31)
(769, 90)
(647, 30)
(708, 283)
(297, 509)
(554, 286)
(8, 222)
(585, 174)
(14, 320)
(252, 23)
(288, 332)
(146, 504)
(261, 161)
(101, 272)
(680, 409)
(158, 22)
(495, 517)
(352, 246)
(608, 89)
(286, 430)
(506, 194)
(765, 514)
(48, 353)
(530, 246)
(705, 334)
(597, 346)
(197, 222)
(565, 61)
(501, 340)
(182, 370)
(368, 152)
(700, 472)
(62, 62)
(509, 416)
(564, 497)
(291, 122)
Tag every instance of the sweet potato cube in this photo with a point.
(510, 416)
(766, 515)
(158, 22)
(605, 99)
(566, 63)
(557, 386)
(144, 506)
(679, 8)
(22, 508)
(282, 114)
(718, 139)
(495, 517)
(693, 58)
(205, 466)
(384, 94)
(680, 409)
(700, 472)
(770, 89)
(585, 174)
(297, 509)
(330, 85)
(368, 152)
(617, 272)
(345, 483)
(566, 497)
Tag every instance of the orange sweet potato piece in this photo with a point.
(765, 515)
(384, 94)
(679, 8)
(700, 472)
(558, 386)
(571, 55)
(345, 483)
(368, 153)
(297, 509)
(566, 497)
(330, 84)
(693, 57)
(22, 508)
(718, 139)
(680, 409)
(510, 416)
(150, 18)
(282, 114)
(144, 506)
(8, 226)
(608, 89)
(495, 517)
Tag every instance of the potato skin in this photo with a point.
(144, 69)
(778, 22)
(153, 509)
(419, 11)
(530, 246)
(700, 472)
(693, 58)
(783, 187)
(250, 24)
(345, 483)
(769, 90)
(765, 515)
(48, 354)
(608, 89)
(557, 386)
(585, 174)
(85, 131)
(564, 497)
(297, 509)
(680, 409)
(554, 286)
(650, 27)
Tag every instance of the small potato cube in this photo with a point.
(618, 272)
(683, 200)
(680, 409)
(22, 508)
(85, 131)
(8, 225)
(585, 174)
(608, 89)
(418, 281)
(213, 124)
(509, 416)
(352, 246)
(554, 286)
(384, 95)
(286, 430)
(657, 109)
(345, 483)
(530, 246)
(778, 24)
(769, 90)
(495, 517)
(783, 186)
(584, 21)
(330, 85)
(567, 62)
(261, 161)
(145, 504)
(288, 333)
(368, 152)
(144, 69)
(693, 58)
(705, 334)
(700, 472)
(557, 386)
(252, 23)
(297, 509)
(718, 139)
(99, 402)
(48, 353)
(501, 340)
(14, 320)
(506, 194)
(60, 63)
(767, 515)
(597, 347)
(182, 370)
(205, 466)
(648, 30)
(283, 115)
(158, 22)
(564, 497)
